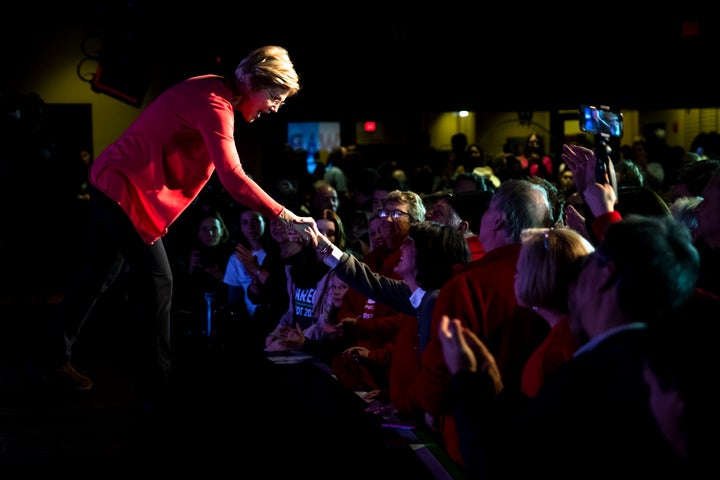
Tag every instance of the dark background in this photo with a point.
(376, 58)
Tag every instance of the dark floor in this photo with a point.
(229, 412)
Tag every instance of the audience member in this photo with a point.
(640, 200)
(331, 225)
(380, 193)
(601, 200)
(706, 145)
(680, 361)
(683, 210)
(649, 153)
(463, 212)
(690, 179)
(323, 339)
(401, 209)
(457, 158)
(707, 235)
(306, 282)
(479, 164)
(429, 255)
(310, 306)
(596, 200)
(471, 182)
(335, 175)
(375, 235)
(423, 180)
(548, 263)
(199, 289)
(324, 197)
(556, 199)
(534, 160)
(367, 199)
(475, 156)
(628, 174)
(565, 181)
(483, 297)
(285, 188)
(362, 188)
(643, 269)
(254, 243)
(328, 309)
(268, 289)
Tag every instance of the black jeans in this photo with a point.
(115, 244)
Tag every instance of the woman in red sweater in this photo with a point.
(141, 183)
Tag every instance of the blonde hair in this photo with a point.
(549, 261)
(267, 68)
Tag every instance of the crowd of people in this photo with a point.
(484, 316)
(532, 319)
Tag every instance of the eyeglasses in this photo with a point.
(276, 100)
(395, 214)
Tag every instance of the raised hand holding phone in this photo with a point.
(604, 123)
(600, 197)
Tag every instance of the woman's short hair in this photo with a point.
(549, 261)
(267, 68)
(439, 249)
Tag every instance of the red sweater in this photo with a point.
(557, 348)
(355, 304)
(400, 357)
(476, 247)
(161, 162)
(483, 298)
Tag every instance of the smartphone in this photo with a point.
(601, 121)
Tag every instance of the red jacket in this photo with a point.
(483, 298)
(401, 356)
(160, 164)
(476, 247)
(355, 304)
(557, 348)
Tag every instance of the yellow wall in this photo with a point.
(492, 129)
(53, 75)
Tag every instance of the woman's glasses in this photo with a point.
(276, 101)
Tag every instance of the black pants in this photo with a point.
(115, 244)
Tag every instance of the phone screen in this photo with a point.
(600, 121)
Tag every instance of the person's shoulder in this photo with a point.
(211, 83)
(461, 275)
(204, 78)
(461, 268)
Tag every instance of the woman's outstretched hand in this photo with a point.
(299, 223)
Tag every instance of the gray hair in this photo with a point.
(524, 205)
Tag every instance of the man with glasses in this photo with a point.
(396, 215)
(401, 208)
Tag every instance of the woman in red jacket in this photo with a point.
(141, 183)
